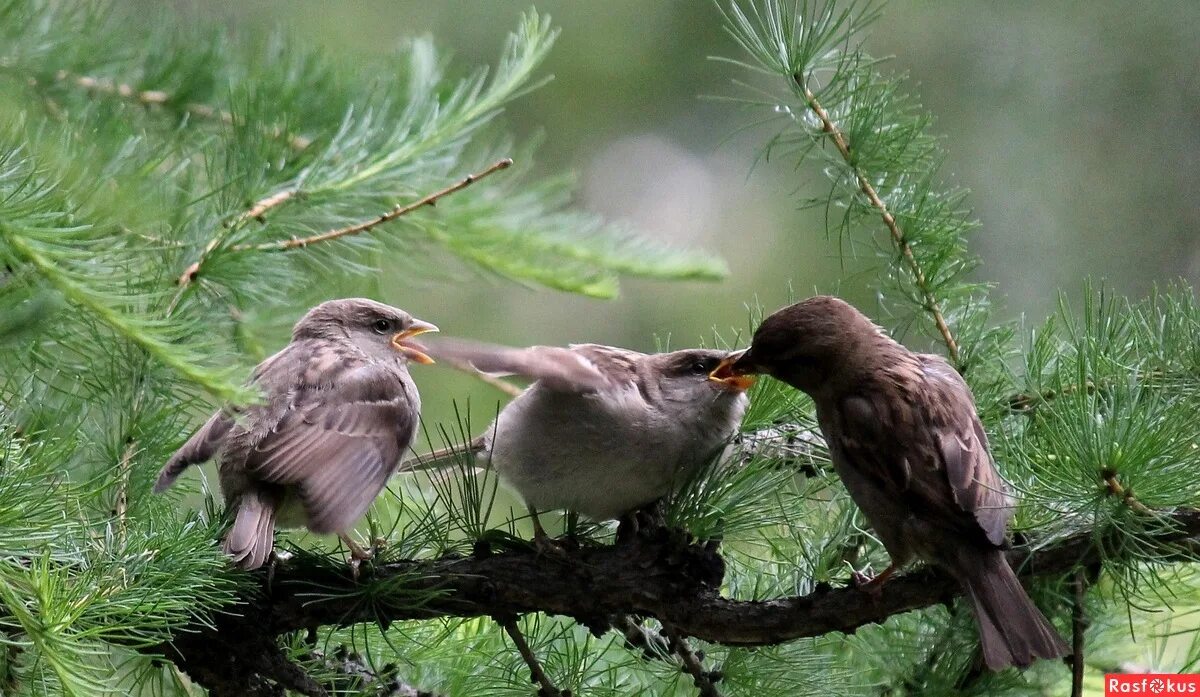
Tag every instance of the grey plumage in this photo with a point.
(602, 430)
(905, 439)
(338, 410)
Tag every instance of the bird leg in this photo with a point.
(277, 556)
(872, 585)
(573, 527)
(542, 542)
(357, 554)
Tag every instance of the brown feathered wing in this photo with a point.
(338, 441)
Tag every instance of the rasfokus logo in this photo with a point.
(1151, 684)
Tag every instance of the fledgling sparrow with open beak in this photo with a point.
(602, 431)
(906, 441)
(339, 409)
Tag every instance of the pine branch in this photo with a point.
(932, 305)
(189, 274)
(150, 336)
(157, 98)
(883, 166)
(538, 676)
(368, 225)
(1126, 496)
(659, 575)
(704, 680)
(121, 504)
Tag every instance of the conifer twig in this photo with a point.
(121, 504)
(1115, 489)
(368, 225)
(352, 672)
(263, 205)
(889, 220)
(151, 98)
(678, 585)
(1079, 623)
(704, 680)
(538, 676)
(260, 207)
(1027, 401)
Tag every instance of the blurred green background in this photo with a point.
(1075, 124)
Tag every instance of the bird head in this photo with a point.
(804, 344)
(681, 383)
(377, 329)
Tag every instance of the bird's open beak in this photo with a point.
(729, 375)
(412, 350)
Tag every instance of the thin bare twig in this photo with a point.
(255, 212)
(258, 209)
(704, 680)
(1079, 623)
(368, 225)
(121, 505)
(158, 98)
(545, 687)
(889, 220)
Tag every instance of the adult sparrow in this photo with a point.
(602, 431)
(338, 410)
(906, 441)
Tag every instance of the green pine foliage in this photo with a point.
(151, 190)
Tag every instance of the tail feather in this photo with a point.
(1012, 630)
(252, 538)
(443, 459)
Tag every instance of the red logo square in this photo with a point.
(1152, 684)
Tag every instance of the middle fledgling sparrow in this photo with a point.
(906, 441)
(338, 411)
(603, 431)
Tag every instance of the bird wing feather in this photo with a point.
(202, 446)
(339, 438)
(930, 449)
(562, 369)
(962, 447)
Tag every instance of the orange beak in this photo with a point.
(411, 349)
(729, 376)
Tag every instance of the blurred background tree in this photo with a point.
(157, 166)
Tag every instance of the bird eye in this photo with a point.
(382, 326)
(701, 367)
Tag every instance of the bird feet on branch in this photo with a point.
(545, 545)
(870, 584)
(357, 554)
(632, 524)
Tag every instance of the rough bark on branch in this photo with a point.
(658, 574)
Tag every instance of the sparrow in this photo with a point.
(905, 440)
(338, 409)
(601, 431)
